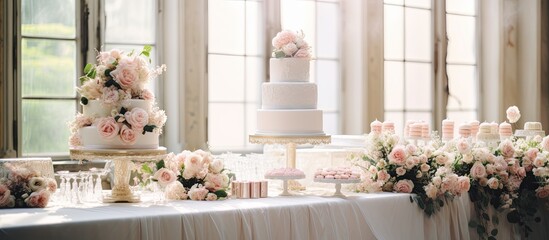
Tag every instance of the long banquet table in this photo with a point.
(359, 216)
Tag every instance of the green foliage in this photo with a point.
(146, 169)
(84, 100)
(160, 164)
(221, 193)
(148, 128)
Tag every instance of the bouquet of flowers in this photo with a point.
(193, 175)
(23, 188)
(290, 44)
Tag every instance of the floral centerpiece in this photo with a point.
(192, 175)
(23, 188)
(290, 44)
(119, 76)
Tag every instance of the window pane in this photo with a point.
(48, 68)
(254, 28)
(330, 123)
(226, 29)
(54, 19)
(226, 125)
(418, 38)
(461, 39)
(418, 86)
(328, 30)
(394, 85)
(130, 21)
(467, 7)
(226, 78)
(420, 116)
(393, 32)
(45, 129)
(328, 84)
(397, 118)
(418, 3)
(251, 121)
(255, 75)
(463, 87)
(461, 117)
(399, 2)
(300, 15)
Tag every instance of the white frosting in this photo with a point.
(289, 122)
(95, 108)
(43, 166)
(532, 126)
(91, 139)
(289, 70)
(297, 95)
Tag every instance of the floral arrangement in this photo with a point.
(118, 76)
(192, 175)
(23, 188)
(290, 44)
(512, 177)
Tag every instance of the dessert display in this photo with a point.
(531, 129)
(465, 130)
(474, 128)
(487, 133)
(337, 175)
(118, 112)
(376, 127)
(289, 100)
(415, 130)
(285, 173)
(505, 130)
(447, 129)
(388, 126)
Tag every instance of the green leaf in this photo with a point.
(481, 230)
(160, 164)
(88, 68)
(148, 128)
(411, 199)
(472, 224)
(146, 169)
(221, 193)
(495, 219)
(279, 54)
(123, 110)
(111, 82)
(494, 232)
(513, 216)
(84, 100)
(92, 73)
(83, 79)
(492, 238)
(146, 51)
(485, 216)
(538, 219)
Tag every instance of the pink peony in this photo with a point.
(397, 155)
(108, 128)
(513, 114)
(38, 199)
(175, 191)
(165, 176)
(404, 186)
(478, 171)
(126, 74)
(110, 95)
(302, 53)
(137, 117)
(127, 135)
(198, 192)
(284, 37)
(5, 196)
(542, 192)
(507, 149)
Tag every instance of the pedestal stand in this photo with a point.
(122, 160)
(291, 144)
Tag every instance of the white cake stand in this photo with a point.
(285, 180)
(338, 183)
(291, 142)
(121, 158)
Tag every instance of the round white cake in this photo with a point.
(289, 69)
(293, 95)
(289, 122)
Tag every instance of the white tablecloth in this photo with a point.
(360, 216)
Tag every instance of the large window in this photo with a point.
(238, 52)
(409, 66)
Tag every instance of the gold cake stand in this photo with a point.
(291, 143)
(122, 159)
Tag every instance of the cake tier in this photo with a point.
(91, 139)
(298, 95)
(532, 126)
(95, 108)
(289, 122)
(289, 69)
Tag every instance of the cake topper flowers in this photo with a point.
(289, 44)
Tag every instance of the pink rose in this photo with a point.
(216, 166)
(147, 95)
(513, 114)
(198, 192)
(165, 176)
(289, 49)
(383, 176)
(397, 155)
(490, 169)
(137, 117)
(400, 171)
(532, 153)
(425, 167)
(431, 191)
(51, 185)
(282, 38)
(106, 58)
(193, 161)
(463, 184)
(411, 149)
(521, 172)
(108, 127)
(214, 182)
(175, 191)
(38, 199)
(126, 74)
(404, 186)
(110, 95)
(74, 140)
(302, 53)
(478, 171)
(542, 192)
(441, 159)
(493, 183)
(211, 197)
(463, 146)
(5, 195)
(127, 135)
(545, 143)
(539, 161)
(513, 183)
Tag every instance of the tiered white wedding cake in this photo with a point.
(289, 100)
(118, 111)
